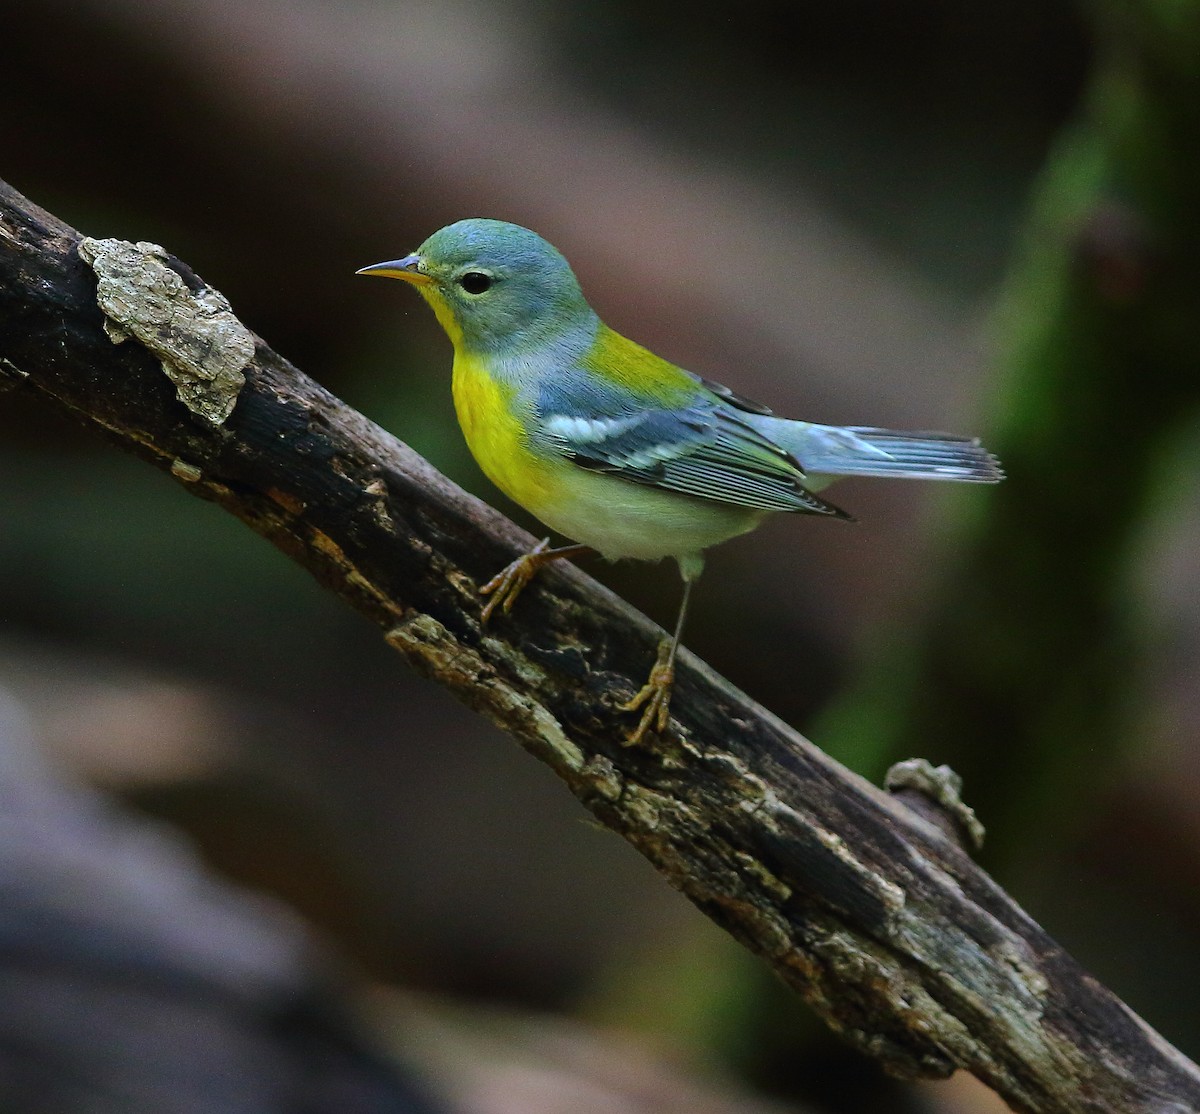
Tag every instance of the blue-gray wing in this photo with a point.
(705, 450)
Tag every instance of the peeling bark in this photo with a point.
(881, 922)
(187, 325)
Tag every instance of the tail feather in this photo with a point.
(924, 455)
(866, 451)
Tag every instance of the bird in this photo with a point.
(620, 451)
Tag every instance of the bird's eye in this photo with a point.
(475, 282)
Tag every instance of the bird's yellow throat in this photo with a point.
(444, 312)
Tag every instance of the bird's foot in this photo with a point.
(654, 697)
(509, 582)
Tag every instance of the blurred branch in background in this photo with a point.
(134, 982)
(879, 921)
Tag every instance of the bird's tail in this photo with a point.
(827, 450)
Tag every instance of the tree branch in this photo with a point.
(876, 918)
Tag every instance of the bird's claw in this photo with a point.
(510, 581)
(654, 698)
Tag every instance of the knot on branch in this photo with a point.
(10, 375)
(935, 793)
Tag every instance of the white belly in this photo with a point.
(619, 518)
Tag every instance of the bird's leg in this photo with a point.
(654, 697)
(655, 694)
(508, 583)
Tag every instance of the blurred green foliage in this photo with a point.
(1022, 673)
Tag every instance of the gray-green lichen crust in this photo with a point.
(203, 347)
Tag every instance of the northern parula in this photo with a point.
(616, 448)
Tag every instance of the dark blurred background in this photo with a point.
(865, 213)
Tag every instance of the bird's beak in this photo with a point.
(407, 269)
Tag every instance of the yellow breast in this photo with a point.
(497, 440)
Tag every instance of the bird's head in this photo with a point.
(494, 286)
